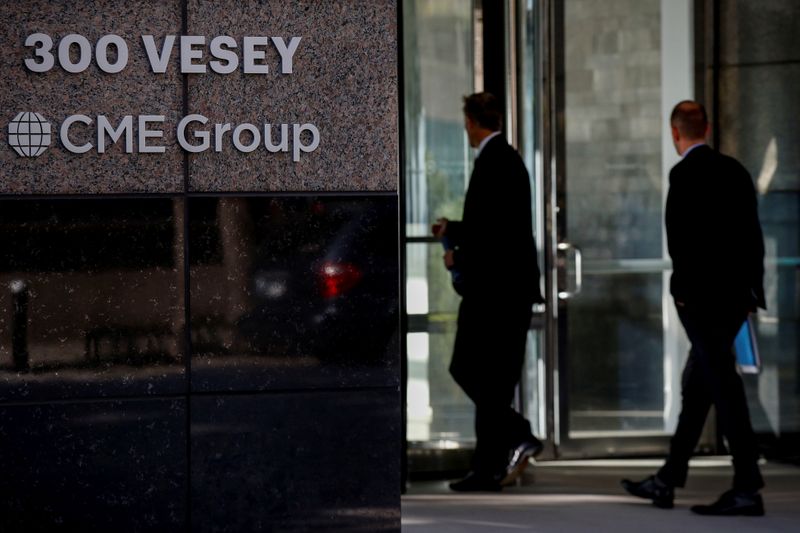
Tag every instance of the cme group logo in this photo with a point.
(29, 134)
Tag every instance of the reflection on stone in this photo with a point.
(285, 285)
(94, 297)
(286, 292)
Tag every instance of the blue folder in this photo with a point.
(746, 349)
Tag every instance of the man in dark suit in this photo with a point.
(717, 249)
(495, 257)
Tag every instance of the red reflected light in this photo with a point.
(338, 278)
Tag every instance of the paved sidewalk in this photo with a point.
(586, 496)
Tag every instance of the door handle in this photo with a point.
(565, 247)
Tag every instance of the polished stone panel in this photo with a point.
(759, 32)
(296, 462)
(56, 94)
(293, 292)
(92, 298)
(343, 81)
(93, 466)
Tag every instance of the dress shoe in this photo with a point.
(474, 482)
(519, 457)
(733, 503)
(652, 488)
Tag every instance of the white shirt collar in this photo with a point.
(485, 141)
(692, 147)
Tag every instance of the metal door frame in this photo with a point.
(552, 139)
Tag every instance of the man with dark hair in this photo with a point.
(484, 110)
(495, 256)
(717, 249)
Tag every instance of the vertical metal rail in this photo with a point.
(401, 234)
(512, 73)
(19, 325)
(552, 146)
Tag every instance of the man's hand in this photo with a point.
(439, 228)
(448, 259)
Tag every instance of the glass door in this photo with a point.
(438, 56)
(443, 60)
(618, 68)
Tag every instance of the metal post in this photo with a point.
(19, 324)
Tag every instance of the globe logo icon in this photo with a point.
(29, 134)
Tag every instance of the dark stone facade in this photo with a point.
(202, 341)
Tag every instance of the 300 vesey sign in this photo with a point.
(224, 50)
(30, 133)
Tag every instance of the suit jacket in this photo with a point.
(713, 232)
(495, 250)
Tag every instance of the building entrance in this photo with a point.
(586, 97)
(588, 89)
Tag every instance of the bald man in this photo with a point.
(717, 249)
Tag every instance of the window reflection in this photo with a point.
(293, 282)
(92, 291)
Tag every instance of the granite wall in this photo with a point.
(200, 339)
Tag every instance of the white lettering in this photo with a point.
(191, 135)
(286, 53)
(231, 60)
(188, 53)
(283, 144)
(237, 141)
(64, 134)
(101, 53)
(84, 54)
(298, 145)
(251, 55)
(42, 51)
(225, 56)
(204, 136)
(219, 130)
(158, 62)
(145, 134)
(104, 127)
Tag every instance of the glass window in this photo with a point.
(438, 45)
